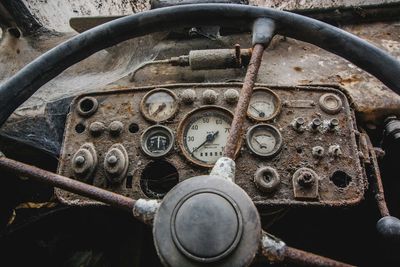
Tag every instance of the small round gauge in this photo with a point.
(159, 105)
(264, 105)
(202, 134)
(264, 140)
(157, 141)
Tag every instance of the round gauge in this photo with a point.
(264, 105)
(202, 134)
(157, 141)
(159, 105)
(264, 140)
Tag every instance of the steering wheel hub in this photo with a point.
(207, 219)
(206, 225)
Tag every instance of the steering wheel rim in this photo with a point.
(43, 69)
(28, 80)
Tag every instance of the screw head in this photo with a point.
(316, 123)
(333, 123)
(112, 160)
(79, 160)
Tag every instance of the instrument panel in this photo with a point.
(299, 144)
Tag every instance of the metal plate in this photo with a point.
(296, 152)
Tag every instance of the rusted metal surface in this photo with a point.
(379, 191)
(225, 168)
(275, 250)
(145, 210)
(296, 151)
(71, 185)
(245, 94)
(304, 258)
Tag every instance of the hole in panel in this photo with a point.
(158, 177)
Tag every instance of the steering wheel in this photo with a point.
(205, 220)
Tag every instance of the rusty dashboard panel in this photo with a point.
(299, 145)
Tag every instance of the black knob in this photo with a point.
(389, 228)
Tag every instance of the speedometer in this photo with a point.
(203, 134)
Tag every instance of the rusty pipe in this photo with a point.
(244, 99)
(275, 250)
(22, 169)
(304, 258)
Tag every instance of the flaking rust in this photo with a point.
(342, 181)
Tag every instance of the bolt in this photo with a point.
(316, 123)
(96, 128)
(298, 124)
(306, 179)
(115, 128)
(112, 160)
(231, 96)
(79, 160)
(188, 96)
(333, 123)
(335, 151)
(210, 96)
(318, 151)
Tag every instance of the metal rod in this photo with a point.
(68, 184)
(245, 94)
(379, 191)
(309, 259)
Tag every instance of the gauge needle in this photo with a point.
(260, 113)
(261, 145)
(159, 109)
(209, 138)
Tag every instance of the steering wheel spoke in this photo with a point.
(204, 219)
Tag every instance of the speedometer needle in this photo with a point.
(209, 138)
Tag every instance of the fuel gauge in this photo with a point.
(159, 105)
(264, 105)
(264, 140)
(157, 141)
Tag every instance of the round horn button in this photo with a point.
(206, 226)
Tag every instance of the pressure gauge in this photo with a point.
(264, 105)
(159, 105)
(157, 141)
(203, 133)
(264, 140)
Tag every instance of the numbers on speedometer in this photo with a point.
(203, 133)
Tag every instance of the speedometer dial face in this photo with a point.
(159, 105)
(264, 105)
(203, 134)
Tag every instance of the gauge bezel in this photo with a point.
(184, 123)
(277, 148)
(146, 96)
(155, 129)
(278, 105)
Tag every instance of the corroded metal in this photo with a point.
(225, 168)
(65, 183)
(275, 250)
(145, 210)
(236, 131)
(296, 151)
(304, 258)
(379, 191)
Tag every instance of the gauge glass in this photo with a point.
(159, 105)
(203, 134)
(264, 105)
(264, 140)
(157, 141)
